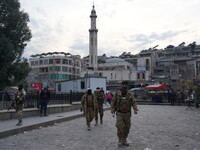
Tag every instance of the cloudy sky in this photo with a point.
(124, 25)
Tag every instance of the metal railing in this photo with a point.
(32, 99)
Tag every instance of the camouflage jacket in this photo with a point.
(19, 96)
(118, 102)
(88, 101)
(100, 97)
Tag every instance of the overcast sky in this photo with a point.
(124, 25)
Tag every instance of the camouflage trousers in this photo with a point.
(123, 124)
(19, 111)
(99, 111)
(89, 115)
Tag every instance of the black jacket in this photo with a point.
(45, 95)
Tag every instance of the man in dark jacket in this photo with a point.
(44, 99)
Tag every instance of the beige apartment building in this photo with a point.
(47, 68)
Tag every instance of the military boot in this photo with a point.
(96, 122)
(88, 127)
(120, 142)
(101, 121)
(124, 142)
(19, 123)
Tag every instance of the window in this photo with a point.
(51, 68)
(36, 63)
(59, 87)
(147, 62)
(143, 75)
(65, 61)
(43, 69)
(82, 84)
(70, 69)
(70, 62)
(46, 62)
(57, 61)
(41, 62)
(34, 70)
(100, 74)
(138, 75)
(50, 61)
(32, 63)
(57, 68)
(77, 64)
(65, 69)
(45, 76)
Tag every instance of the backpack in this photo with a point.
(123, 103)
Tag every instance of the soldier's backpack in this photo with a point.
(90, 102)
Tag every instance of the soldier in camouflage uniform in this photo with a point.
(121, 103)
(100, 100)
(88, 106)
(19, 99)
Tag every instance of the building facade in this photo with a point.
(47, 68)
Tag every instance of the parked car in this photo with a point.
(139, 93)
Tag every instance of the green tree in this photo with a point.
(14, 35)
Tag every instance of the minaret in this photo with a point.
(93, 41)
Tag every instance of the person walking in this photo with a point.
(108, 97)
(88, 106)
(99, 110)
(121, 103)
(172, 97)
(44, 99)
(19, 99)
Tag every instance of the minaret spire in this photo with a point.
(93, 40)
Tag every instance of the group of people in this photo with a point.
(121, 104)
(19, 99)
(178, 96)
(92, 106)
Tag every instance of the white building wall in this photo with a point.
(75, 85)
(119, 75)
(141, 61)
(97, 82)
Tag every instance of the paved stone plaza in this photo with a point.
(154, 128)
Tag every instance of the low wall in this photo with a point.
(29, 112)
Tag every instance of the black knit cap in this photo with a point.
(124, 82)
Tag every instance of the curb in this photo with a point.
(36, 126)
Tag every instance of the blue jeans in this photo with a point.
(43, 106)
